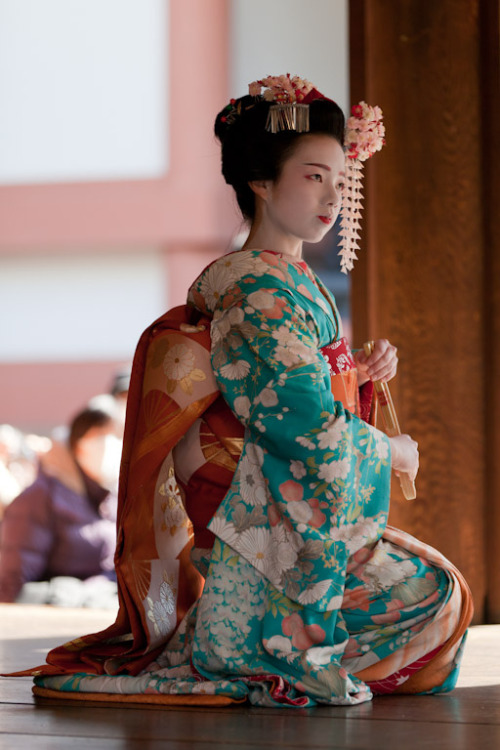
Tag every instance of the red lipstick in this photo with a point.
(325, 219)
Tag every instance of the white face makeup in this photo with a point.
(302, 205)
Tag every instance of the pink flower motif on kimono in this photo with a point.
(231, 298)
(356, 598)
(359, 558)
(302, 511)
(269, 305)
(352, 649)
(393, 613)
(272, 259)
(198, 299)
(277, 273)
(291, 490)
(303, 636)
(273, 514)
(318, 518)
(304, 291)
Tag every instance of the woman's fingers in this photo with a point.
(382, 364)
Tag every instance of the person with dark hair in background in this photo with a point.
(58, 537)
(119, 390)
(244, 426)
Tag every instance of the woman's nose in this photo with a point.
(334, 196)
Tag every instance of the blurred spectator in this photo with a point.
(19, 455)
(58, 536)
(119, 390)
(10, 445)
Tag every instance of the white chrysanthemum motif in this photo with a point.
(252, 483)
(314, 593)
(255, 454)
(334, 470)
(224, 321)
(179, 362)
(235, 370)
(223, 530)
(382, 571)
(356, 535)
(298, 469)
(161, 612)
(254, 545)
(215, 282)
(283, 554)
(332, 432)
(243, 263)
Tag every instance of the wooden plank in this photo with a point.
(468, 717)
(312, 729)
(23, 741)
(28, 632)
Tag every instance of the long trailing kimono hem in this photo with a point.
(254, 560)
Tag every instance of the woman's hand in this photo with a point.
(404, 455)
(382, 363)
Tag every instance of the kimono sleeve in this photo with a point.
(312, 484)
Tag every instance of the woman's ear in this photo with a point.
(260, 188)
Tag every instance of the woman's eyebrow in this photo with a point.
(321, 166)
(313, 164)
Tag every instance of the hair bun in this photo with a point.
(240, 114)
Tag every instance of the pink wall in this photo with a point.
(38, 396)
(188, 214)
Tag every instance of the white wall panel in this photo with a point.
(89, 306)
(83, 90)
(301, 37)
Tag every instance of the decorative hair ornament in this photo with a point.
(292, 96)
(364, 136)
(231, 112)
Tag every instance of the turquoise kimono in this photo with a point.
(309, 598)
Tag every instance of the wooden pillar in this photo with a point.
(425, 270)
(490, 77)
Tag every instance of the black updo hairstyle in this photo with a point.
(250, 152)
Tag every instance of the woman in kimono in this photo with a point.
(254, 558)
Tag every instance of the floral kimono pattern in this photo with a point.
(303, 594)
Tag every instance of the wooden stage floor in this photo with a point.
(467, 719)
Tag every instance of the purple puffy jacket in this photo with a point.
(51, 529)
